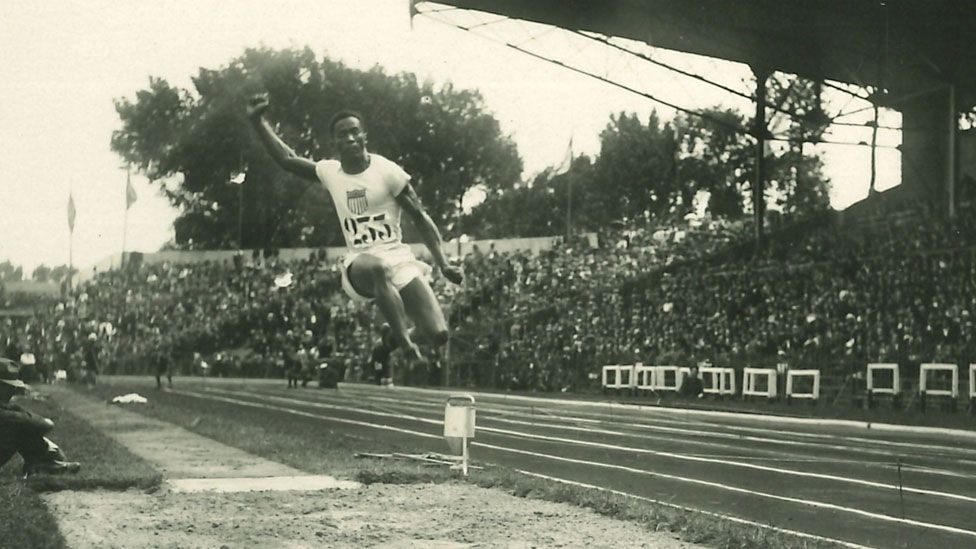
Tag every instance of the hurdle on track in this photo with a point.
(669, 378)
(610, 374)
(718, 381)
(750, 376)
(972, 388)
(814, 393)
(619, 376)
(972, 381)
(923, 380)
(895, 380)
(645, 377)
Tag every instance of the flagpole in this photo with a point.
(71, 238)
(240, 208)
(125, 216)
(569, 210)
(71, 256)
(569, 196)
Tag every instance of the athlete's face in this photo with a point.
(350, 138)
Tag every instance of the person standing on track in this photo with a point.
(379, 357)
(370, 193)
(163, 362)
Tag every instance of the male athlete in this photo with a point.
(370, 192)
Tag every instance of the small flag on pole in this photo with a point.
(413, 12)
(567, 162)
(71, 213)
(130, 192)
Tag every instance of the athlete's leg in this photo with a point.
(370, 277)
(422, 308)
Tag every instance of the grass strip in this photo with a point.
(25, 522)
(309, 445)
(24, 519)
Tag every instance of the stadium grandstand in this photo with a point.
(835, 296)
(708, 353)
(890, 280)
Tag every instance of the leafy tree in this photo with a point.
(194, 142)
(797, 179)
(42, 273)
(10, 272)
(59, 273)
(540, 207)
(714, 157)
(635, 168)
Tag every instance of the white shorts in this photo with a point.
(402, 263)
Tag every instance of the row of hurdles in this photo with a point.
(935, 380)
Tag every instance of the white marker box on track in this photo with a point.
(923, 379)
(719, 381)
(669, 378)
(791, 376)
(459, 424)
(873, 369)
(750, 382)
(646, 377)
(972, 381)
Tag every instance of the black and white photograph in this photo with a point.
(671, 274)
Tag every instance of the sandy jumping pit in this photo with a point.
(289, 508)
(438, 516)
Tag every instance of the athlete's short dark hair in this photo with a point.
(342, 115)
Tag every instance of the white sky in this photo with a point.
(64, 62)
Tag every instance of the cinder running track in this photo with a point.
(848, 484)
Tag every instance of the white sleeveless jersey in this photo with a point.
(366, 202)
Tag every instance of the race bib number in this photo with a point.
(368, 229)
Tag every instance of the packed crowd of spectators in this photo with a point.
(264, 317)
(894, 290)
(838, 296)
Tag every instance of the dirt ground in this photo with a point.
(378, 515)
(435, 516)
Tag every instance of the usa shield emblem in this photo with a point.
(356, 200)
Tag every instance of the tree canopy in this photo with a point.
(650, 169)
(194, 142)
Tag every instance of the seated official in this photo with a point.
(22, 432)
(692, 386)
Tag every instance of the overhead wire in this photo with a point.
(604, 79)
(603, 39)
(481, 26)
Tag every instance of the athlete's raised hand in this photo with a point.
(452, 273)
(257, 105)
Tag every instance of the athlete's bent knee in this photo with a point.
(380, 273)
(440, 337)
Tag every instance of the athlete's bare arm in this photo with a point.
(282, 154)
(410, 203)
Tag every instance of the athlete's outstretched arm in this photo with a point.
(409, 201)
(282, 154)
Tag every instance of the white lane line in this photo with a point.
(722, 516)
(836, 443)
(630, 449)
(757, 467)
(837, 439)
(399, 403)
(958, 433)
(395, 405)
(812, 503)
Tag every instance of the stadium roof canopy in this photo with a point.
(906, 46)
